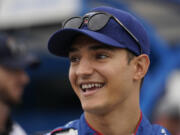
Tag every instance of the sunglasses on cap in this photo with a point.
(96, 21)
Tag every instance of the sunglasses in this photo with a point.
(96, 21)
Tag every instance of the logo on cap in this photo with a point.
(87, 16)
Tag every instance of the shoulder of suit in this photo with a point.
(68, 129)
(65, 132)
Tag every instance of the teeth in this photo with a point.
(89, 86)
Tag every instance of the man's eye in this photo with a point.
(74, 59)
(101, 56)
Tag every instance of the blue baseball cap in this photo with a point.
(15, 56)
(111, 34)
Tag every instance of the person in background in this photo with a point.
(108, 50)
(13, 61)
(167, 114)
(167, 110)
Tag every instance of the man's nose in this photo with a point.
(24, 77)
(85, 68)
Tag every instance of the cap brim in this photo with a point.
(60, 41)
(21, 62)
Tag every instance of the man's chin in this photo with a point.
(98, 110)
(10, 100)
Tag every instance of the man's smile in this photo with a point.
(91, 87)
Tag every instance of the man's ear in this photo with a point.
(142, 63)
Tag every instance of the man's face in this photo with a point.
(100, 75)
(12, 83)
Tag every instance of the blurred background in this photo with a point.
(49, 101)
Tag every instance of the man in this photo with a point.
(169, 117)
(13, 60)
(109, 57)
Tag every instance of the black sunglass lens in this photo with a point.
(73, 23)
(98, 21)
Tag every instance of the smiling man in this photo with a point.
(108, 51)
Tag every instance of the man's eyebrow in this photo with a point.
(93, 47)
(98, 47)
(72, 49)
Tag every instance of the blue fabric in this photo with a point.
(145, 128)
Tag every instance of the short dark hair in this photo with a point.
(130, 56)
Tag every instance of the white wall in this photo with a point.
(22, 13)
